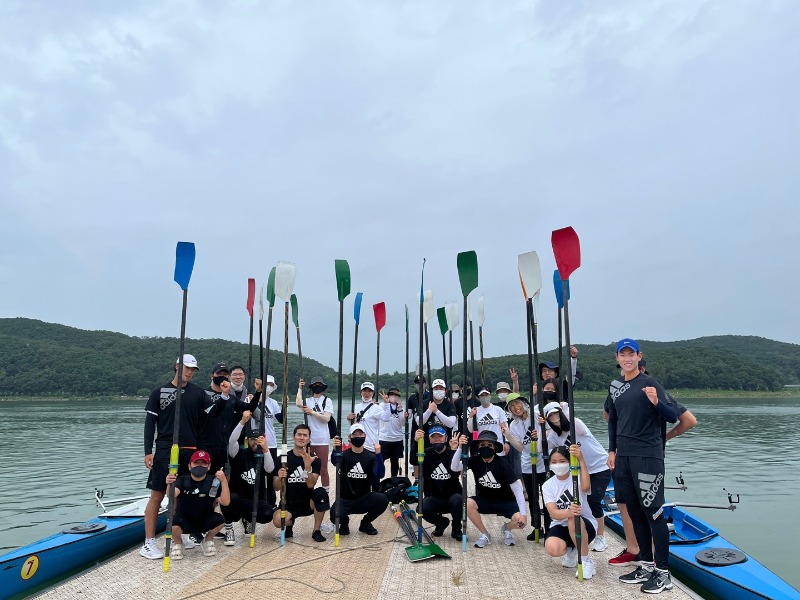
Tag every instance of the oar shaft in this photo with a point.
(339, 422)
(480, 344)
(465, 447)
(302, 373)
(574, 467)
(250, 357)
(355, 366)
(285, 408)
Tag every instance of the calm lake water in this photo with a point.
(56, 452)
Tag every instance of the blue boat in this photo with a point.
(707, 562)
(40, 564)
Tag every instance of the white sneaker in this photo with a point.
(150, 550)
(589, 569)
(570, 559)
(600, 543)
(327, 527)
(483, 541)
(208, 548)
(188, 542)
(176, 552)
(508, 537)
(230, 536)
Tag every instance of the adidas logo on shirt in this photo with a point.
(618, 388)
(487, 419)
(488, 481)
(298, 476)
(167, 397)
(564, 500)
(249, 476)
(440, 473)
(357, 472)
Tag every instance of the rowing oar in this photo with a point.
(471, 318)
(530, 276)
(379, 310)
(424, 310)
(451, 309)
(467, 263)
(480, 338)
(441, 316)
(405, 434)
(251, 295)
(357, 318)
(296, 319)
(284, 284)
(558, 286)
(567, 250)
(184, 263)
(343, 290)
(430, 545)
(430, 312)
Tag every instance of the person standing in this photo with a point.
(489, 417)
(369, 415)
(319, 409)
(637, 405)
(159, 425)
(273, 413)
(392, 431)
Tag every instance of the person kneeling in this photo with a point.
(558, 499)
(442, 486)
(195, 496)
(362, 470)
(301, 474)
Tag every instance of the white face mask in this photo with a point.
(559, 469)
(270, 389)
(485, 400)
(438, 394)
(502, 396)
(237, 386)
(454, 396)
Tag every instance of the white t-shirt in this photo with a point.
(560, 492)
(593, 452)
(371, 417)
(319, 428)
(489, 419)
(520, 430)
(273, 408)
(393, 428)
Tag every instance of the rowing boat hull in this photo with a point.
(41, 563)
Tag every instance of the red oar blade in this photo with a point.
(380, 315)
(567, 250)
(251, 295)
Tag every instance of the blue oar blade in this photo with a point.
(559, 289)
(184, 263)
(357, 307)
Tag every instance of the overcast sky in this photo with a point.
(667, 133)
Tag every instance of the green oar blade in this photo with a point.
(467, 263)
(418, 552)
(271, 288)
(441, 314)
(342, 278)
(295, 317)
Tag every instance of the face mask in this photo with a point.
(502, 396)
(438, 447)
(317, 389)
(486, 451)
(357, 441)
(270, 389)
(438, 394)
(485, 400)
(549, 396)
(238, 387)
(454, 396)
(559, 469)
(199, 471)
(218, 379)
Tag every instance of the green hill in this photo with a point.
(38, 358)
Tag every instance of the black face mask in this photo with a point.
(317, 389)
(218, 379)
(486, 452)
(199, 471)
(439, 447)
(549, 396)
(357, 441)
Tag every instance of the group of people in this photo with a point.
(512, 451)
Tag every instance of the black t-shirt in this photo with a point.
(440, 481)
(244, 467)
(493, 479)
(413, 409)
(221, 419)
(447, 409)
(194, 501)
(358, 474)
(634, 424)
(297, 490)
(160, 416)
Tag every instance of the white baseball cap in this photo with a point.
(439, 382)
(189, 361)
(271, 379)
(357, 427)
(368, 385)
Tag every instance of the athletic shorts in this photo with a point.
(489, 507)
(639, 479)
(157, 476)
(392, 449)
(599, 484)
(198, 523)
(562, 532)
(298, 509)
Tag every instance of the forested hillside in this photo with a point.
(38, 358)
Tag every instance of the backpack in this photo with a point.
(398, 489)
(333, 429)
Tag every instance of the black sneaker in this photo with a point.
(344, 529)
(289, 531)
(219, 536)
(531, 537)
(439, 530)
(456, 533)
(196, 538)
(318, 537)
(367, 528)
(248, 529)
(640, 575)
(658, 582)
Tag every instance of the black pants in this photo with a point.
(371, 506)
(272, 498)
(242, 508)
(394, 452)
(433, 510)
(527, 479)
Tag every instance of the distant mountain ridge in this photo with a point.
(38, 358)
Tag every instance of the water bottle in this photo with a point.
(212, 493)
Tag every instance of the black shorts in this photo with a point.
(157, 477)
(489, 507)
(562, 532)
(392, 449)
(639, 479)
(198, 523)
(298, 509)
(599, 484)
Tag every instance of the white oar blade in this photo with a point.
(530, 273)
(428, 309)
(261, 303)
(451, 310)
(284, 280)
(480, 312)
